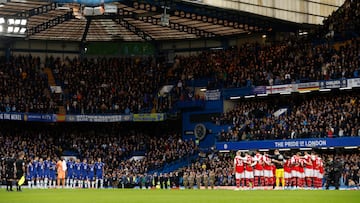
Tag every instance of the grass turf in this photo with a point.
(176, 196)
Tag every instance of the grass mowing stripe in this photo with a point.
(177, 196)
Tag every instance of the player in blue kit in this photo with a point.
(84, 173)
(30, 175)
(99, 170)
(70, 173)
(36, 165)
(47, 164)
(77, 173)
(52, 176)
(91, 174)
(40, 173)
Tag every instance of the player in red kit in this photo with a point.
(249, 174)
(308, 168)
(258, 170)
(287, 173)
(318, 167)
(268, 174)
(301, 178)
(239, 170)
(295, 170)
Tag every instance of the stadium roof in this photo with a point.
(298, 11)
(141, 20)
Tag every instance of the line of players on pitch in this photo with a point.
(264, 170)
(42, 174)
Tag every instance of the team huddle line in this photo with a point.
(264, 170)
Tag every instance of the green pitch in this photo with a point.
(176, 196)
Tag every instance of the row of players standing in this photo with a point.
(43, 173)
(266, 170)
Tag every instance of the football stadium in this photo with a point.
(179, 101)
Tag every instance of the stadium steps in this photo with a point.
(51, 82)
(51, 79)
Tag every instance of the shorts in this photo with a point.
(268, 173)
(19, 174)
(239, 175)
(309, 172)
(61, 175)
(249, 174)
(99, 176)
(295, 174)
(287, 175)
(279, 173)
(258, 172)
(9, 174)
(91, 178)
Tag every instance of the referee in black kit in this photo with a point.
(20, 170)
(9, 172)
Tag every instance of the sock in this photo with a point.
(242, 182)
(256, 183)
(45, 182)
(308, 182)
(101, 183)
(237, 183)
(262, 181)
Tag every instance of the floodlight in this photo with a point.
(22, 30)
(11, 21)
(17, 22)
(23, 22)
(16, 29)
(10, 29)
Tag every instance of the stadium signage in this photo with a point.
(98, 118)
(11, 116)
(148, 117)
(308, 86)
(331, 84)
(212, 95)
(279, 89)
(355, 82)
(292, 144)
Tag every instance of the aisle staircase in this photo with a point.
(51, 82)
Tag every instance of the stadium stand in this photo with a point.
(304, 117)
(129, 86)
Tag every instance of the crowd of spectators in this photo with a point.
(109, 85)
(294, 60)
(344, 20)
(24, 86)
(313, 116)
(116, 146)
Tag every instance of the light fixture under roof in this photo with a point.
(17, 22)
(23, 22)
(2, 20)
(22, 30)
(10, 29)
(11, 21)
(16, 29)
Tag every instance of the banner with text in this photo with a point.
(275, 89)
(98, 118)
(354, 82)
(12, 116)
(290, 144)
(332, 84)
(212, 95)
(149, 117)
